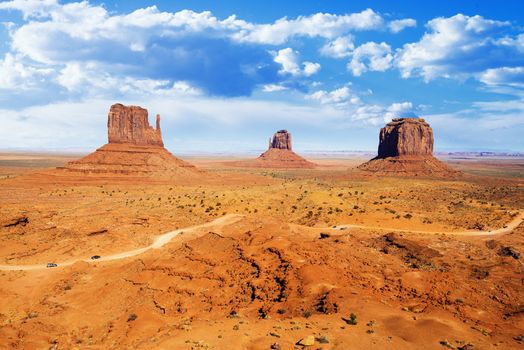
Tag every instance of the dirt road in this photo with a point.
(158, 243)
(165, 238)
(513, 224)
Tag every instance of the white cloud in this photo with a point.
(14, 74)
(144, 44)
(311, 68)
(79, 29)
(512, 76)
(397, 110)
(273, 88)
(322, 25)
(378, 114)
(399, 25)
(186, 88)
(340, 97)
(458, 47)
(30, 8)
(370, 56)
(339, 48)
(357, 110)
(289, 59)
(87, 79)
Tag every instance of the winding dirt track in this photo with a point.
(158, 243)
(165, 238)
(513, 224)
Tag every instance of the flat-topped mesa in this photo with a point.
(130, 124)
(405, 137)
(281, 140)
(406, 149)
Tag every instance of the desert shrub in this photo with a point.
(352, 320)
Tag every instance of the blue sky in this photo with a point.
(225, 75)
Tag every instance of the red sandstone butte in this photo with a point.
(278, 155)
(406, 148)
(134, 147)
(281, 140)
(131, 125)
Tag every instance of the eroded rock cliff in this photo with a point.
(406, 149)
(405, 136)
(281, 140)
(130, 124)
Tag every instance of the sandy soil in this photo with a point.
(298, 253)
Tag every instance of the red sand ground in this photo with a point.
(269, 278)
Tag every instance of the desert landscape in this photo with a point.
(271, 175)
(158, 253)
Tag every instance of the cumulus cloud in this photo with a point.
(289, 59)
(357, 110)
(399, 110)
(311, 68)
(227, 57)
(370, 56)
(15, 74)
(30, 8)
(376, 114)
(88, 79)
(461, 47)
(340, 97)
(147, 44)
(322, 25)
(339, 48)
(399, 25)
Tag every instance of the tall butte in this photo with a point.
(278, 155)
(134, 147)
(406, 148)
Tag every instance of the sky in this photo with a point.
(225, 75)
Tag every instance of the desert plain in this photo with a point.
(250, 258)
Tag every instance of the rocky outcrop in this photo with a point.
(280, 140)
(405, 136)
(130, 124)
(406, 149)
(278, 155)
(133, 148)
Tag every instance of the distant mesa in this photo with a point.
(406, 148)
(134, 147)
(278, 155)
